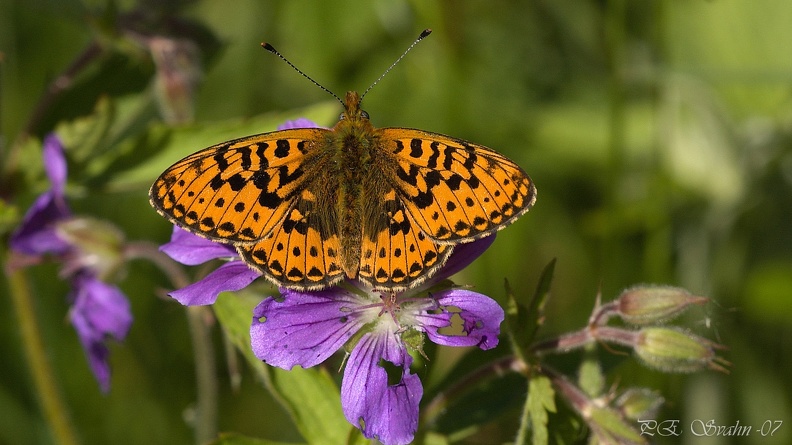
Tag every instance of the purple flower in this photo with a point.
(298, 123)
(36, 235)
(305, 328)
(190, 249)
(99, 310)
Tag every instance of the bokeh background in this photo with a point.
(659, 135)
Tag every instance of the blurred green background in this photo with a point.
(659, 135)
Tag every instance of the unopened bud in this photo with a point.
(97, 246)
(178, 75)
(672, 350)
(642, 305)
(637, 403)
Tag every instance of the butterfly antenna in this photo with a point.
(425, 33)
(272, 49)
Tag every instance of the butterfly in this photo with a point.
(310, 207)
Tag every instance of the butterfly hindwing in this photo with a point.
(237, 191)
(395, 254)
(455, 191)
(302, 252)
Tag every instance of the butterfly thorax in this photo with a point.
(358, 160)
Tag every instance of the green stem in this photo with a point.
(54, 409)
(198, 318)
(525, 424)
(615, 43)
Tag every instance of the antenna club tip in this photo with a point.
(425, 33)
(268, 47)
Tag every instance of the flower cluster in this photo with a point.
(99, 310)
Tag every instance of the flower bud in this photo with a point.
(97, 246)
(639, 403)
(673, 350)
(643, 305)
(178, 75)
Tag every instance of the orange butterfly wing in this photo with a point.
(240, 190)
(455, 191)
(397, 255)
(303, 252)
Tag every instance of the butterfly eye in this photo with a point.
(342, 116)
(364, 114)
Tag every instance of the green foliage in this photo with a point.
(658, 134)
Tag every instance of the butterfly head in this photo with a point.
(352, 111)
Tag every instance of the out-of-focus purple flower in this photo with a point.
(305, 328)
(99, 310)
(298, 123)
(36, 235)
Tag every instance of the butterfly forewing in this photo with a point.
(238, 191)
(453, 190)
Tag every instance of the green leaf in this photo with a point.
(9, 217)
(435, 439)
(540, 401)
(590, 377)
(310, 396)
(522, 322)
(238, 439)
(611, 427)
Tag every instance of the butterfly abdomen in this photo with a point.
(354, 166)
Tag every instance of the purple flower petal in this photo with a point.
(383, 411)
(36, 234)
(191, 249)
(231, 276)
(55, 162)
(462, 256)
(481, 317)
(298, 123)
(99, 311)
(305, 328)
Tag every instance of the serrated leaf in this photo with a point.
(540, 401)
(610, 427)
(310, 396)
